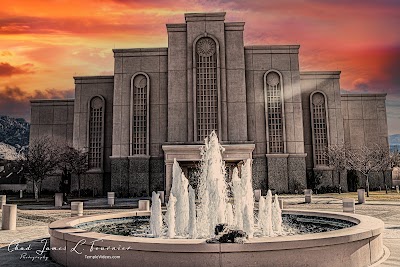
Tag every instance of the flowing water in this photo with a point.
(185, 219)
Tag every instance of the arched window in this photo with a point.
(139, 141)
(274, 112)
(96, 132)
(319, 127)
(206, 56)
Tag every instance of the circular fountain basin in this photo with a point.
(359, 245)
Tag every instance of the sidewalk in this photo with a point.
(96, 203)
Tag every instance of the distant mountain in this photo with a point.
(14, 132)
(394, 140)
(8, 152)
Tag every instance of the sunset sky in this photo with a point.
(43, 44)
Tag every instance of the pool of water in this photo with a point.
(292, 225)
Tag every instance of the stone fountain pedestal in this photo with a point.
(9, 217)
(349, 205)
(111, 198)
(58, 200)
(3, 201)
(307, 195)
(76, 208)
(144, 205)
(361, 196)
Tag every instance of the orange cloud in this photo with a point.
(5, 53)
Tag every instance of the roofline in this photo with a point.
(93, 77)
(52, 100)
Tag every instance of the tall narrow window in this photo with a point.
(274, 109)
(206, 87)
(96, 132)
(319, 127)
(139, 114)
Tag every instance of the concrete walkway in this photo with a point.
(32, 229)
(97, 203)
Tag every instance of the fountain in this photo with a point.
(181, 235)
(214, 207)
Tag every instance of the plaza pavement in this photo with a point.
(32, 225)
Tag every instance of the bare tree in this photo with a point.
(384, 161)
(365, 160)
(394, 158)
(40, 161)
(75, 161)
(337, 159)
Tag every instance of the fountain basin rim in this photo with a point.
(367, 227)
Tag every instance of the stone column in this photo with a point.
(280, 203)
(76, 208)
(3, 201)
(257, 194)
(58, 199)
(20, 194)
(9, 217)
(111, 198)
(308, 195)
(144, 205)
(349, 205)
(361, 196)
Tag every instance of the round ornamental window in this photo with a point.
(318, 99)
(273, 78)
(206, 47)
(97, 102)
(140, 81)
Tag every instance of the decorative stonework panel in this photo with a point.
(206, 87)
(273, 79)
(206, 47)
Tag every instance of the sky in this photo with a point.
(43, 44)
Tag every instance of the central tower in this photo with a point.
(206, 79)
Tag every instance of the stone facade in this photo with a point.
(365, 121)
(53, 118)
(161, 102)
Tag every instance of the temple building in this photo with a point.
(161, 103)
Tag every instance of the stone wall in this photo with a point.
(376, 180)
(130, 176)
(120, 176)
(365, 121)
(326, 82)
(277, 167)
(297, 173)
(90, 182)
(153, 63)
(157, 174)
(284, 59)
(259, 171)
(85, 89)
(53, 118)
